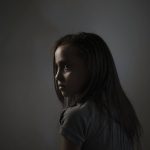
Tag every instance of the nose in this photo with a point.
(58, 76)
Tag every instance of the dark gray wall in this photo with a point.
(28, 29)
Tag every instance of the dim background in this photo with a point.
(28, 29)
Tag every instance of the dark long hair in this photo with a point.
(104, 86)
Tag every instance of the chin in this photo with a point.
(65, 94)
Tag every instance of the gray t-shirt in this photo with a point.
(85, 126)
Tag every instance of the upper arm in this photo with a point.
(73, 127)
(65, 144)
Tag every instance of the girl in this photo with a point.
(97, 114)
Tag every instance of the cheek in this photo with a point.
(71, 79)
(76, 80)
(79, 76)
(68, 77)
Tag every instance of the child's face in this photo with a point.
(71, 71)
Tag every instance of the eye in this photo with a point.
(66, 68)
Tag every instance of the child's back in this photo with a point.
(84, 125)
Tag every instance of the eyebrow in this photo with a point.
(62, 62)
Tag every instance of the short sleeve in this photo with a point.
(73, 126)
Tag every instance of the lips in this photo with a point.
(61, 86)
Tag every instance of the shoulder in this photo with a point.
(80, 122)
(85, 117)
(84, 111)
(80, 116)
(75, 122)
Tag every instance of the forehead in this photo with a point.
(66, 53)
